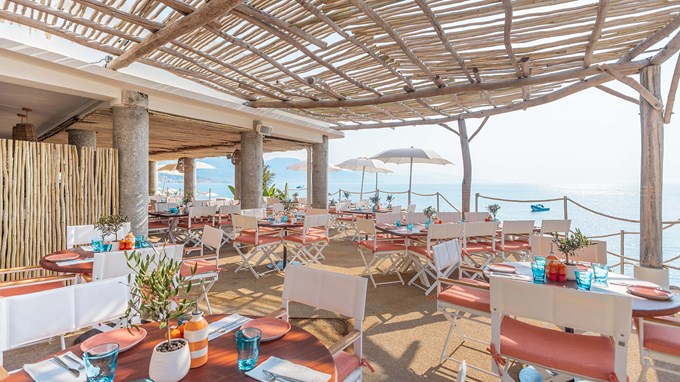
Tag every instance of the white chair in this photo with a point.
(316, 211)
(200, 203)
(416, 217)
(561, 226)
(462, 372)
(659, 341)
(387, 218)
(22, 280)
(423, 257)
(411, 208)
(396, 208)
(277, 208)
(449, 217)
(338, 293)
(515, 236)
(271, 200)
(165, 207)
(29, 318)
(77, 235)
(113, 264)
(259, 213)
(224, 216)
(253, 247)
(479, 242)
(204, 268)
(471, 217)
(600, 355)
(379, 250)
(595, 253)
(199, 217)
(307, 246)
(343, 221)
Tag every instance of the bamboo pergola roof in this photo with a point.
(375, 63)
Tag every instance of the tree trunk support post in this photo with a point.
(251, 168)
(467, 166)
(320, 174)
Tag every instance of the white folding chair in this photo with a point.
(113, 264)
(449, 217)
(342, 221)
(411, 209)
(560, 226)
(416, 217)
(165, 207)
(471, 217)
(659, 341)
(258, 248)
(199, 217)
(515, 236)
(308, 245)
(479, 242)
(77, 235)
(423, 258)
(277, 208)
(224, 216)
(31, 280)
(316, 211)
(599, 355)
(396, 208)
(204, 268)
(259, 213)
(379, 250)
(387, 218)
(338, 293)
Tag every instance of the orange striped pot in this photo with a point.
(196, 334)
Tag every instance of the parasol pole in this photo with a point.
(376, 182)
(410, 180)
(361, 194)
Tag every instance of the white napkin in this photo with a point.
(72, 262)
(50, 371)
(225, 325)
(287, 369)
(87, 248)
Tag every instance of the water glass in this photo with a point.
(139, 241)
(540, 260)
(601, 272)
(427, 224)
(409, 226)
(106, 247)
(284, 218)
(174, 210)
(98, 245)
(397, 223)
(539, 272)
(100, 362)
(584, 279)
(248, 346)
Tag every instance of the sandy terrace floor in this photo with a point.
(404, 333)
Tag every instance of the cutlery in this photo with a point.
(63, 364)
(268, 374)
(76, 360)
(228, 327)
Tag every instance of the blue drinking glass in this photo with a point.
(601, 273)
(397, 223)
(98, 245)
(100, 362)
(540, 260)
(248, 347)
(284, 218)
(106, 247)
(539, 272)
(427, 224)
(584, 279)
(139, 241)
(409, 226)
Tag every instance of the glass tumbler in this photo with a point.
(584, 279)
(98, 245)
(540, 260)
(100, 362)
(538, 270)
(601, 272)
(248, 346)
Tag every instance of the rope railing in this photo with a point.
(623, 259)
(438, 195)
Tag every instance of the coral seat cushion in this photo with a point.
(306, 239)
(478, 248)
(664, 339)
(515, 245)
(382, 246)
(345, 363)
(30, 288)
(250, 239)
(421, 250)
(586, 355)
(202, 266)
(461, 295)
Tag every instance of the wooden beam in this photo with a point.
(449, 129)
(670, 101)
(507, 41)
(655, 102)
(425, 7)
(628, 68)
(618, 94)
(187, 24)
(481, 126)
(396, 37)
(651, 40)
(602, 9)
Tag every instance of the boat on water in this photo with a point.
(539, 208)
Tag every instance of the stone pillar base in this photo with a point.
(653, 275)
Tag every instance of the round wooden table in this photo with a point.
(617, 284)
(174, 220)
(80, 268)
(298, 346)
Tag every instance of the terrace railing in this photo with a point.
(622, 258)
(441, 200)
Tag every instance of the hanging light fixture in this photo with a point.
(24, 131)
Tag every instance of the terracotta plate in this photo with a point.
(122, 337)
(502, 268)
(650, 292)
(272, 328)
(62, 256)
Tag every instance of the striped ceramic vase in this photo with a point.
(196, 333)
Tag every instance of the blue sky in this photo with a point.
(590, 137)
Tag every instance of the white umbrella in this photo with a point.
(173, 167)
(365, 165)
(209, 194)
(302, 166)
(411, 155)
(171, 172)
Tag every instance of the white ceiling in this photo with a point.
(49, 108)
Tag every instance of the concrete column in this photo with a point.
(189, 176)
(251, 169)
(131, 138)
(153, 178)
(309, 176)
(651, 168)
(237, 181)
(82, 138)
(320, 174)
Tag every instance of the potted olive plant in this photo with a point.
(375, 201)
(110, 225)
(347, 195)
(389, 198)
(568, 245)
(430, 212)
(493, 210)
(155, 288)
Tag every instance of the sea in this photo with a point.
(616, 200)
